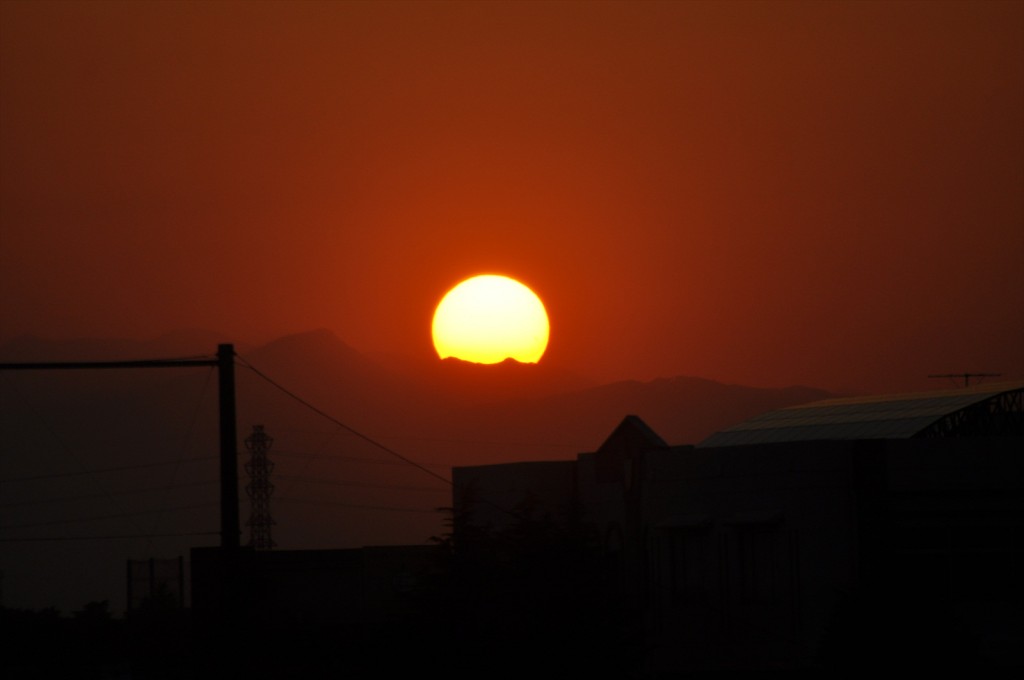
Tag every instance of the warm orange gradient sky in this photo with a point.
(768, 193)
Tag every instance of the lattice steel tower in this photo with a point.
(259, 489)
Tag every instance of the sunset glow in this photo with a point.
(487, 319)
(533, 273)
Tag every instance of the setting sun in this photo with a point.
(487, 319)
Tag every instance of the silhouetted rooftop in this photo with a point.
(993, 409)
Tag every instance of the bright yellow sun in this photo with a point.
(487, 319)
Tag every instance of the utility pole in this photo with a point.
(259, 489)
(225, 364)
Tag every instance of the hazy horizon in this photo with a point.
(940, 380)
(824, 194)
(128, 457)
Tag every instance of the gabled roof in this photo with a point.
(632, 438)
(989, 408)
(643, 429)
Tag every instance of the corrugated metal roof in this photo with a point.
(898, 416)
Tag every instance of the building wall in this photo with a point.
(355, 588)
(747, 549)
(496, 496)
(792, 554)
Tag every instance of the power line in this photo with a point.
(457, 440)
(357, 484)
(353, 506)
(122, 515)
(449, 440)
(65, 499)
(106, 493)
(225, 364)
(97, 471)
(188, 439)
(341, 424)
(194, 360)
(35, 539)
(353, 459)
(368, 439)
(44, 418)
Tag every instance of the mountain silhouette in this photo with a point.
(683, 410)
(133, 453)
(506, 411)
(482, 413)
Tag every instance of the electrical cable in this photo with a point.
(66, 499)
(187, 442)
(35, 539)
(354, 506)
(121, 515)
(353, 459)
(357, 484)
(364, 437)
(43, 418)
(339, 423)
(97, 471)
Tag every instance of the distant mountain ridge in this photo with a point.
(135, 453)
(452, 399)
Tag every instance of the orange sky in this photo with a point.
(768, 193)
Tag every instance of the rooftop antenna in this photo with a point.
(966, 376)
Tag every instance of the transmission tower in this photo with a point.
(259, 488)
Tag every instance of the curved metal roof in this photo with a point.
(898, 416)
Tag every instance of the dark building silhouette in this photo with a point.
(287, 613)
(349, 588)
(869, 531)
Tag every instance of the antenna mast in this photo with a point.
(966, 376)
